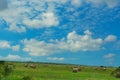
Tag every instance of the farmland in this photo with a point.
(45, 71)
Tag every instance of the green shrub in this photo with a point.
(116, 73)
(5, 69)
(1, 69)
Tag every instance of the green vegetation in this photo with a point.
(5, 69)
(58, 72)
(27, 78)
(116, 73)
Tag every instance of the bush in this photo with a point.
(5, 70)
(1, 69)
(116, 73)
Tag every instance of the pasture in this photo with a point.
(44, 71)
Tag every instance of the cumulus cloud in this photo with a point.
(56, 58)
(3, 5)
(110, 38)
(14, 58)
(39, 48)
(48, 19)
(16, 47)
(15, 28)
(4, 44)
(76, 3)
(36, 15)
(7, 45)
(73, 43)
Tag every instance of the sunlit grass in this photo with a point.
(59, 72)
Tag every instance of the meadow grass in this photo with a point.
(59, 72)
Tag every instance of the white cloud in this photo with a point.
(48, 19)
(84, 42)
(76, 3)
(4, 44)
(73, 43)
(14, 58)
(56, 58)
(110, 38)
(7, 45)
(110, 55)
(39, 48)
(16, 29)
(109, 3)
(16, 47)
(19, 13)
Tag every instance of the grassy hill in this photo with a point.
(46, 71)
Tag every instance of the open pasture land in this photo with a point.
(44, 71)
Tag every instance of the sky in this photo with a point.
(84, 32)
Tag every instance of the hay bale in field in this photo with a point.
(96, 68)
(76, 69)
(10, 66)
(79, 69)
(25, 65)
(103, 68)
(32, 66)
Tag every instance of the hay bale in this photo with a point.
(32, 66)
(26, 65)
(76, 69)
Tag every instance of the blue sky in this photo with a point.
(84, 32)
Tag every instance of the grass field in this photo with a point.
(59, 72)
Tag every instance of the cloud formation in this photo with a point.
(48, 19)
(30, 14)
(109, 57)
(25, 14)
(14, 58)
(56, 58)
(76, 3)
(16, 48)
(4, 44)
(110, 38)
(73, 43)
(7, 45)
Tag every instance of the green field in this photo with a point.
(59, 72)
